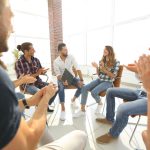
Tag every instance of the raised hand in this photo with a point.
(101, 64)
(26, 79)
(50, 90)
(143, 67)
(94, 64)
(44, 70)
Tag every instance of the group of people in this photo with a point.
(107, 69)
(15, 132)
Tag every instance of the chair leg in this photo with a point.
(93, 103)
(104, 107)
(130, 140)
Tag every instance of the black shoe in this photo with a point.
(50, 110)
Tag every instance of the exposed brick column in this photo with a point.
(55, 25)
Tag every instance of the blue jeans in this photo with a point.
(96, 86)
(136, 104)
(33, 89)
(20, 95)
(61, 89)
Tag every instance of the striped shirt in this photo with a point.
(23, 67)
(114, 69)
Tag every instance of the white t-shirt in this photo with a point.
(60, 65)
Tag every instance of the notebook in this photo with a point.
(67, 76)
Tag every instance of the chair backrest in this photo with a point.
(118, 77)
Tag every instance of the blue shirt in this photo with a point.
(10, 116)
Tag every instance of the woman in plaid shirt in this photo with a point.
(106, 71)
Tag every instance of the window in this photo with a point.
(124, 24)
(30, 25)
(96, 41)
(98, 13)
(132, 40)
(76, 46)
(130, 9)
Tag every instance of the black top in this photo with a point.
(10, 116)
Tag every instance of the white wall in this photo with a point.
(89, 25)
(30, 24)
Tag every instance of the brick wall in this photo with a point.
(55, 25)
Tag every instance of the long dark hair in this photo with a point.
(111, 57)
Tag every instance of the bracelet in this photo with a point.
(25, 103)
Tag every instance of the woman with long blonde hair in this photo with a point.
(106, 71)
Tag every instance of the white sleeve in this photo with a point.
(56, 69)
(75, 64)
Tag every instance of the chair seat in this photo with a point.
(102, 94)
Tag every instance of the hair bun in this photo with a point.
(19, 47)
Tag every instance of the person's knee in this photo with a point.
(81, 135)
(20, 95)
(122, 111)
(84, 88)
(111, 91)
(60, 84)
(32, 89)
(93, 93)
(61, 87)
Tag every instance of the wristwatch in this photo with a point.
(25, 103)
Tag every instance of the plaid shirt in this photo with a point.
(22, 66)
(114, 69)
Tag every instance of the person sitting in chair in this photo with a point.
(106, 71)
(135, 104)
(28, 64)
(62, 62)
(15, 132)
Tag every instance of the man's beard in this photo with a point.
(65, 55)
(3, 39)
(3, 45)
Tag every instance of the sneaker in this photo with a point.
(98, 109)
(106, 138)
(63, 116)
(74, 105)
(79, 114)
(104, 121)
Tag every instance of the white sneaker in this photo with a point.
(63, 116)
(74, 105)
(98, 109)
(79, 114)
